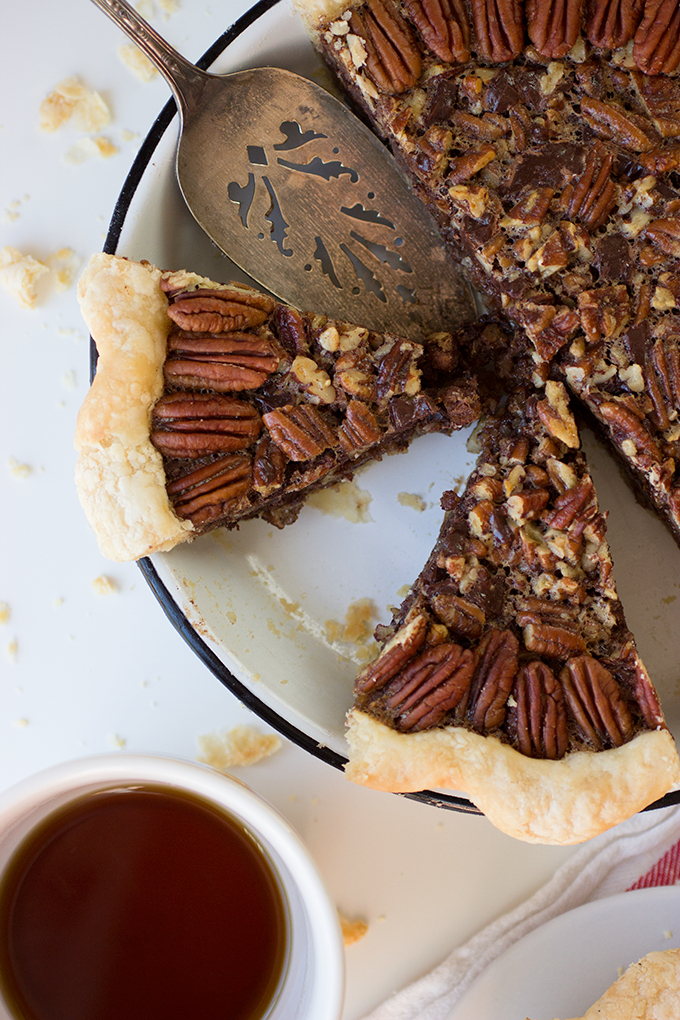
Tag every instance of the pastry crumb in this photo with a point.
(239, 747)
(71, 100)
(128, 136)
(343, 500)
(18, 470)
(86, 148)
(412, 500)
(64, 265)
(5, 612)
(19, 275)
(20, 723)
(117, 742)
(353, 929)
(668, 934)
(358, 625)
(69, 380)
(103, 585)
(137, 62)
(12, 650)
(11, 213)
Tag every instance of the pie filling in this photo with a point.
(545, 139)
(514, 629)
(263, 404)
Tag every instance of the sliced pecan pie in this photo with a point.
(509, 672)
(214, 403)
(545, 138)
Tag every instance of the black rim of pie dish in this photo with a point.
(164, 597)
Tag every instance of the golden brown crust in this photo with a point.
(119, 474)
(649, 990)
(536, 800)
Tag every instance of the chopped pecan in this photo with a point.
(630, 433)
(541, 712)
(459, 615)
(301, 432)
(269, 466)
(528, 504)
(398, 372)
(219, 311)
(393, 59)
(611, 24)
(201, 495)
(394, 656)
(495, 672)
(556, 642)
(657, 40)
(609, 121)
(499, 29)
(553, 27)
(355, 373)
(444, 26)
(595, 700)
(665, 234)
(462, 168)
(593, 196)
(360, 428)
(554, 412)
(434, 682)
(291, 330)
(313, 379)
(604, 311)
(234, 361)
(199, 424)
(531, 210)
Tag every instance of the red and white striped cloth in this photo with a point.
(639, 853)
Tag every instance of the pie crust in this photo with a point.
(647, 990)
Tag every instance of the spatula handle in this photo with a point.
(183, 77)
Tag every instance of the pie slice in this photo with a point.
(509, 672)
(214, 403)
(545, 139)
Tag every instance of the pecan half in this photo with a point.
(569, 505)
(629, 432)
(611, 24)
(394, 656)
(218, 311)
(301, 432)
(541, 712)
(198, 424)
(360, 428)
(393, 59)
(611, 122)
(657, 41)
(398, 372)
(553, 27)
(434, 682)
(665, 234)
(269, 466)
(201, 495)
(494, 676)
(556, 642)
(593, 196)
(595, 700)
(459, 615)
(499, 29)
(232, 362)
(444, 26)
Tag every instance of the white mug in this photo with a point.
(312, 985)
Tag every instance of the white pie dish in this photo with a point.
(255, 603)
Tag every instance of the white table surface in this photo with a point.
(82, 673)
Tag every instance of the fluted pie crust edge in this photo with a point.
(119, 474)
(533, 799)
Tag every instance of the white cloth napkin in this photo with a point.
(643, 851)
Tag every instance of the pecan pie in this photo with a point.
(545, 138)
(509, 672)
(214, 403)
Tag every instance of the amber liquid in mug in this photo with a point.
(141, 904)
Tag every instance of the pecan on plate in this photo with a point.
(596, 703)
(611, 24)
(541, 712)
(231, 362)
(393, 59)
(394, 656)
(656, 49)
(199, 424)
(444, 26)
(499, 29)
(553, 27)
(301, 432)
(219, 311)
(495, 672)
(436, 681)
(201, 495)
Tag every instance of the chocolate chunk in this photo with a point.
(614, 260)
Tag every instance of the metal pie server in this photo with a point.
(302, 196)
